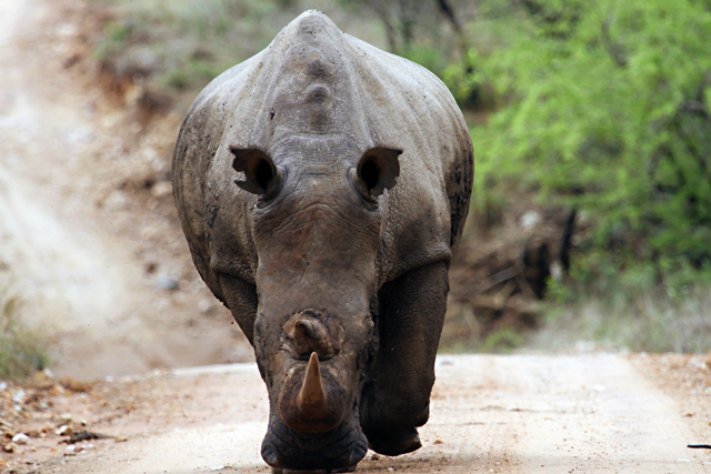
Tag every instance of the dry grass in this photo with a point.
(21, 350)
(650, 322)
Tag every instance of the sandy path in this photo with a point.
(583, 413)
(64, 268)
(74, 248)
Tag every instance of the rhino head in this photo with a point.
(315, 223)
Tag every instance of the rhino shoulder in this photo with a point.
(412, 109)
(197, 144)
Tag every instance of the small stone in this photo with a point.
(438, 441)
(529, 220)
(117, 200)
(166, 283)
(375, 457)
(66, 30)
(205, 306)
(19, 396)
(9, 447)
(64, 430)
(20, 438)
(161, 189)
(73, 450)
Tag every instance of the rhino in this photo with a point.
(321, 185)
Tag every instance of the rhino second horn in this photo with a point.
(311, 399)
(307, 333)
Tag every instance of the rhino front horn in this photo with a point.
(314, 403)
(311, 400)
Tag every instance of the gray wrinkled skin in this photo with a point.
(321, 185)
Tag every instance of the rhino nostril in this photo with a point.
(313, 331)
(302, 331)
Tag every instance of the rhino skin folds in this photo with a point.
(321, 185)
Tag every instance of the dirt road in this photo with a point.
(90, 246)
(522, 413)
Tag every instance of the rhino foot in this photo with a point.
(278, 470)
(288, 451)
(394, 443)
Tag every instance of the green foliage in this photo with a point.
(21, 352)
(183, 45)
(607, 111)
(502, 340)
(428, 57)
(193, 71)
(463, 79)
(116, 36)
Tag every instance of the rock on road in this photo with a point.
(520, 413)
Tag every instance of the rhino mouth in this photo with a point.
(314, 420)
(339, 449)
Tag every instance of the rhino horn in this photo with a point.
(312, 397)
(314, 404)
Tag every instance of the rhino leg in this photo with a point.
(396, 394)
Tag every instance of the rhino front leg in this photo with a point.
(396, 395)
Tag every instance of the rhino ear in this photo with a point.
(378, 170)
(261, 176)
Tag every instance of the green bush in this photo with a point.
(636, 321)
(21, 352)
(606, 110)
(182, 45)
